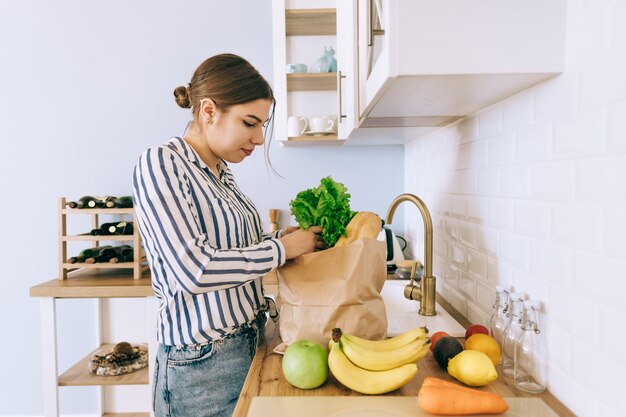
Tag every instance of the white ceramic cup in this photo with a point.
(332, 118)
(296, 126)
(320, 124)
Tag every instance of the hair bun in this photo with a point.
(181, 94)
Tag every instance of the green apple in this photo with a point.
(305, 364)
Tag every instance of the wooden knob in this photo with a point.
(274, 215)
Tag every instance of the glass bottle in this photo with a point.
(498, 319)
(530, 370)
(512, 332)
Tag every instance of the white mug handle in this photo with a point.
(331, 124)
(306, 124)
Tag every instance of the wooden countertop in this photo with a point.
(266, 379)
(100, 283)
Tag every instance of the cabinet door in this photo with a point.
(347, 76)
(371, 45)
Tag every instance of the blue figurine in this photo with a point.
(326, 63)
(329, 54)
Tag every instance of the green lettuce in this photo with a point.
(327, 205)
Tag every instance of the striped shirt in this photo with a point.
(204, 243)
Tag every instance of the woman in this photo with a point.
(204, 241)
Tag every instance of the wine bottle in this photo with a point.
(104, 229)
(125, 201)
(121, 228)
(104, 254)
(107, 201)
(84, 254)
(83, 202)
(123, 253)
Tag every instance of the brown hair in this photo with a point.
(228, 80)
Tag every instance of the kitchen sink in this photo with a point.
(402, 314)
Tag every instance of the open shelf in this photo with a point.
(99, 238)
(310, 22)
(98, 211)
(100, 265)
(79, 375)
(313, 140)
(323, 81)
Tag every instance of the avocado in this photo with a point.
(446, 348)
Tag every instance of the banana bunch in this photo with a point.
(376, 367)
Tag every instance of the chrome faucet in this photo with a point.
(424, 292)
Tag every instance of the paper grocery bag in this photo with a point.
(337, 287)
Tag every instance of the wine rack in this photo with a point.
(138, 264)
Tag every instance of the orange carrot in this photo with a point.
(437, 396)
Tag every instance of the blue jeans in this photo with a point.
(205, 380)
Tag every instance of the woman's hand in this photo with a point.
(298, 241)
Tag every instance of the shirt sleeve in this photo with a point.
(272, 235)
(165, 210)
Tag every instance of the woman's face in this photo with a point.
(234, 134)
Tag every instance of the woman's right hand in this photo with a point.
(302, 241)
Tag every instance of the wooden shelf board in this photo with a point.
(126, 415)
(88, 237)
(99, 211)
(310, 22)
(323, 81)
(79, 375)
(100, 265)
(331, 140)
(101, 283)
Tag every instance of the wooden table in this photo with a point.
(266, 379)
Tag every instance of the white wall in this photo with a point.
(85, 87)
(531, 193)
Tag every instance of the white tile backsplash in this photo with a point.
(502, 149)
(582, 134)
(490, 121)
(592, 374)
(614, 233)
(602, 179)
(476, 264)
(617, 127)
(515, 181)
(489, 181)
(612, 318)
(468, 181)
(581, 400)
(553, 262)
(588, 221)
(590, 269)
(518, 110)
(501, 213)
(477, 209)
(477, 153)
(534, 144)
(532, 218)
(553, 181)
(487, 240)
(476, 315)
(532, 191)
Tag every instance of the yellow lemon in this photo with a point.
(485, 344)
(473, 368)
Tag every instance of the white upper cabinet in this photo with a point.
(347, 75)
(430, 62)
(402, 64)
